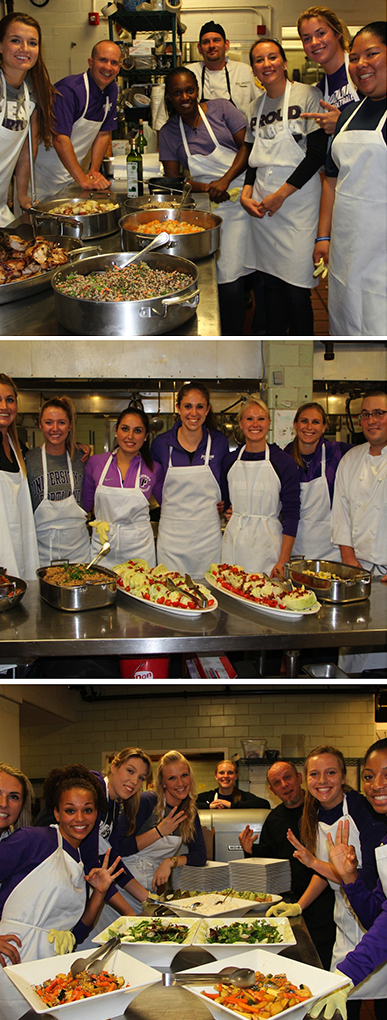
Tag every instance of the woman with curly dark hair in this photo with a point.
(26, 97)
(43, 895)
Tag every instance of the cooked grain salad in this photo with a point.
(131, 283)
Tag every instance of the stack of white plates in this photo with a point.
(211, 878)
(260, 874)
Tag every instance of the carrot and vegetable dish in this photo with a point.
(171, 226)
(64, 988)
(269, 996)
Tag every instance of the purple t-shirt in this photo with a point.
(150, 481)
(225, 121)
(339, 90)
(70, 103)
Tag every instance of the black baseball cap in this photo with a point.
(211, 26)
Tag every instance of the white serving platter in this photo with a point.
(285, 614)
(262, 907)
(98, 1007)
(158, 954)
(221, 950)
(320, 982)
(192, 613)
(209, 906)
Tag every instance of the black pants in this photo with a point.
(288, 309)
(232, 304)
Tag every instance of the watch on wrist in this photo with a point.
(174, 861)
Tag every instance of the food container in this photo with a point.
(325, 671)
(157, 200)
(146, 317)
(94, 225)
(354, 584)
(18, 289)
(138, 976)
(254, 748)
(222, 949)
(189, 246)
(11, 593)
(82, 596)
(169, 185)
(158, 954)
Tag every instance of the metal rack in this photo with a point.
(155, 21)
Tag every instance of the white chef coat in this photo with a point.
(210, 167)
(357, 300)
(189, 535)
(127, 511)
(282, 244)
(11, 144)
(234, 82)
(253, 536)
(61, 524)
(50, 173)
(18, 544)
(313, 539)
(52, 896)
(360, 504)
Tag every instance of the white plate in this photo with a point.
(319, 981)
(159, 954)
(169, 609)
(220, 950)
(110, 1004)
(260, 908)
(210, 906)
(286, 614)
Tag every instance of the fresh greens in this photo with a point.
(245, 931)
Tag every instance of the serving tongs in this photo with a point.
(94, 964)
(193, 587)
(201, 603)
(284, 585)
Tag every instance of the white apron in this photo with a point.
(189, 535)
(230, 263)
(142, 866)
(356, 662)
(282, 245)
(358, 252)
(313, 539)
(381, 863)
(18, 545)
(51, 896)
(349, 931)
(253, 536)
(127, 510)
(50, 173)
(61, 525)
(11, 144)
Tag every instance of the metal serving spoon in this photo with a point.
(86, 962)
(242, 977)
(102, 552)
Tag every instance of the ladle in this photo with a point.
(241, 977)
(157, 242)
(102, 552)
(86, 962)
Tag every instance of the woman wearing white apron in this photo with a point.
(325, 38)
(317, 461)
(22, 71)
(260, 487)
(190, 454)
(119, 486)
(56, 486)
(168, 832)
(328, 802)
(43, 878)
(353, 204)
(370, 955)
(282, 191)
(207, 138)
(18, 545)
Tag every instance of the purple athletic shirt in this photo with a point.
(333, 453)
(371, 909)
(287, 473)
(150, 481)
(225, 121)
(70, 103)
(339, 93)
(180, 458)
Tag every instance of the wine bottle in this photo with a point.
(141, 141)
(134, 171)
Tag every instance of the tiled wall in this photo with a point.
(346, 720)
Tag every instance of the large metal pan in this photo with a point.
(147, 317)
(351, 584)
(169, 185)
(11, 591)
(18, 289)
(188, 246)
(84, 596)
(95, 225)
(158, 200)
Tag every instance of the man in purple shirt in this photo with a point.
(84, 116)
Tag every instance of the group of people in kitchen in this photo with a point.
(318, 498)
(257, 151)
(101, 845)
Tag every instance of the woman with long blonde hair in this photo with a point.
(168, 833)
(325, 38)
(18, 545)
(16, 795)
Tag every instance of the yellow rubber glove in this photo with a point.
(283, 909)
(234, 195)
(64, 941)
(321, 268)
(102, 529)
(327, 1006)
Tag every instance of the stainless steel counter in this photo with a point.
(35, 316)
(34, 628)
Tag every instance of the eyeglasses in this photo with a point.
(366, 415)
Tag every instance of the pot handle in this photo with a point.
(190, 301)
(77, 254)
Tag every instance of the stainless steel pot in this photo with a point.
(157, 200)
(84, 596)
(169, 185)
(11, 593)
(95, 225)
(147, 317)
(354, 584)
(188, 246)
(18, 289)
